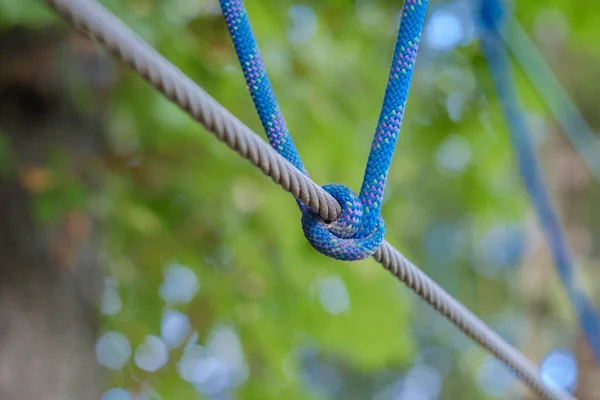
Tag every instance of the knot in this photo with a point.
(351, 237)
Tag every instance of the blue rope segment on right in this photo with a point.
(360, 229)
(576, 128)
(491, 16)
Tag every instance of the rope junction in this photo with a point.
(94, 20)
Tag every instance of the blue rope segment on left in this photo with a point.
(491, 17)
(360, 229)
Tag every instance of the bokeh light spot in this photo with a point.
(180, 284)
(304, 24)
(113, 350)
(332, 294)
(444, 30)
(453, 154)
(559, 369)
(175, 328)
(151, 355)
(116, 394)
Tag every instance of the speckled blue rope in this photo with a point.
(360, 229)
(95, 21)
(491, 19)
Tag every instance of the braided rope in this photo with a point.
(92, 19)
(258, 83)
(492, 19)
(359, 231)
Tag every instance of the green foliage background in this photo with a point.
(184, 196)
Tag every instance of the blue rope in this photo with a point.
(360, 229)
(578, 131)
(491, 20)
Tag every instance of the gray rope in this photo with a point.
(94, 20)
(464, 319)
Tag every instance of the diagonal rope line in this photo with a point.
(258, 83)
(92, 19)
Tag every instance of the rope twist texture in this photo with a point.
(360, 229)
(91, 18)
(464, 319)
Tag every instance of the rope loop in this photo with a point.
(94, 20)
(360, 231)
(350, 237)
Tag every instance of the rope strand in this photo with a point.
(257, 81)
(94, 19)
(91, 18)
(359, 231)
(464, 319)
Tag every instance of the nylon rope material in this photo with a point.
(94, 20)
(360, 229)
(587, 315)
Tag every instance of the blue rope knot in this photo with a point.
(359, 231)
(349, 238)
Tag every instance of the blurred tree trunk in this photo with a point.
(53, 87)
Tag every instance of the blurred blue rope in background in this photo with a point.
(491, 18)
(571, 121)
